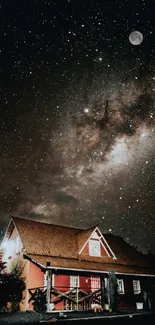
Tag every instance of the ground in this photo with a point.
(73, 317)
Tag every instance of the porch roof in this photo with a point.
(87, 266)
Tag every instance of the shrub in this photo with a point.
(11, 288)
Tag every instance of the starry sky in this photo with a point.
(77, 115)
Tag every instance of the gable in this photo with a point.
(11, 245)
(96, 245)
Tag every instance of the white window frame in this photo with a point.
(93, 246)
(95, 283)
(74, 281)
(120, 288)
(136, 287)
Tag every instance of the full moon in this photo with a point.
(136, 38)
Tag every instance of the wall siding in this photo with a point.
(35, 279)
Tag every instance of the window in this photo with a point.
(95, 283)
(136, 287)
(74, 281)
(120, 288)
(18, 245)
(94, 248)
(106, 282)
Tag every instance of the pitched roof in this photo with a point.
(60, 245)
(45, 239)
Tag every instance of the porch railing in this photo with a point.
(71, 298)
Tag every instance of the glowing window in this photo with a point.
(94, 248)
(136, 287)
(120, 283)
(95, 283)
(18, 245)
(74, 281)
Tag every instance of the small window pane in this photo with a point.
(94, 248)
(18, 245)
(74, 281)
(136, 287)
(120, 286)
(95, 283)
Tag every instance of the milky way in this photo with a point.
(78, 117)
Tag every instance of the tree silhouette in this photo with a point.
(11, 287)
(112, 289)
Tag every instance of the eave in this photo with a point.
(69, 270)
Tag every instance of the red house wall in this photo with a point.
(103, 252)
(128, 299)
(62, 283)
(84, 283)
(86, 250)
(35, 279)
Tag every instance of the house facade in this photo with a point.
(70, 267)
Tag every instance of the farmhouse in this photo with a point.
(70, 266)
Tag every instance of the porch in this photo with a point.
(66, 298)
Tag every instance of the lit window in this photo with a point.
(18, 245)
(120, 283)
(94, 248)
(95, 283)
(136, 287)
(74, 281)
(106, 282)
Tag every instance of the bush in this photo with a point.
(39, 301)
(112, 288)
(11, 288)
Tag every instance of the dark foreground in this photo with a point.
(76, 318)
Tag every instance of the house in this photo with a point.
(71, 266)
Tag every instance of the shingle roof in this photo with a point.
(46, 239)
(60, 245)
(92, 265)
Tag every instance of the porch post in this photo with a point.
(49, 284)
(102, 290)
(77, 298)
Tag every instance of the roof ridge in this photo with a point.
(47, 223)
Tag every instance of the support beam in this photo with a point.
(102, 290)
(77, 298)
(49, 284)
(91, 295)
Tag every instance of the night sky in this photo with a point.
(77, 115)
